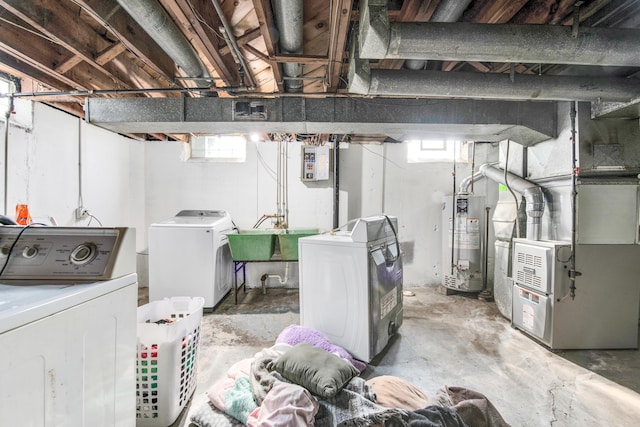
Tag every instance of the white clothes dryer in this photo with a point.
(351, 285)
(189, 255)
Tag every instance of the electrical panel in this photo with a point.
(315, 163)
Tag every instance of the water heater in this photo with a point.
(463, 225)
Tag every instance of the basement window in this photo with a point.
(6, 87)
(436, 150)
(219, 148)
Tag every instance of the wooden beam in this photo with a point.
(57, 23)
(35, 52)
(68, 64)
(104, 57)
(15, 66)
(258, 54)
(494, 11)
(302, 59)
(110, 53)
(479, 66)
(586, 11)
(124, 28)
(339, 29)
(265, 19)
(242, 40)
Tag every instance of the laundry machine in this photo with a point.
(351, 284)
(68, 302)
(189, 255)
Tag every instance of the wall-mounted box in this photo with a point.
(315, 163)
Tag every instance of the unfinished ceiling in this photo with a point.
(68, 51)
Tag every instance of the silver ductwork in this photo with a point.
(151, 16)
(526, 123)
(463, 41)
(532, 193)
(447, 11)
(289, 17)
(365, 81)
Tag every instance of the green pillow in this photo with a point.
(322, 373)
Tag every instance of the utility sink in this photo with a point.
(288, 241)
(260, 244)
(252, 245)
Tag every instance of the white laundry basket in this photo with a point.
(166, 358)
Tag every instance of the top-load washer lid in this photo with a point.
(197, 218)
(202, 214)
(373, 228)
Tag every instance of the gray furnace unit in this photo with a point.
(604, 312)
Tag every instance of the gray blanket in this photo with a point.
(354, 405)
(473, 407)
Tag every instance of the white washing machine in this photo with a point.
(68, 302)
(189, 255)
(351, 285)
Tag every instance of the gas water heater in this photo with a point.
(463, 242)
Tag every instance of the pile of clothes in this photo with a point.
(304, 379)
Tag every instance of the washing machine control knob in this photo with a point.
(30, 252)
(83, 254)
(4, 251)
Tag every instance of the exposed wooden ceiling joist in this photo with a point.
(94, 45)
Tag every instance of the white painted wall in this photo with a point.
(44, 149)
(44, 171)
(131, 183)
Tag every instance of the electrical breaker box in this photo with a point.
(315, 163)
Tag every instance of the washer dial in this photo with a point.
(30, 252)
(83, 254)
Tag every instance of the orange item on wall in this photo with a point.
(22, 214)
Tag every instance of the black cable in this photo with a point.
(15, 242)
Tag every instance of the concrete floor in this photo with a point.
(447, 340)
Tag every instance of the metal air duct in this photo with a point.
(289, 17)
(425, 83)
(150, 15)
(532, 193)
(463, 41)
(447, 11)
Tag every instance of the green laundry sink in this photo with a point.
(252, 245)
(288, 241)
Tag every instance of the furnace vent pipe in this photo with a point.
(465, 41)
(289, 17)
(532, 193)
(363, 80)
(150, 15)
